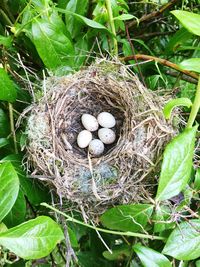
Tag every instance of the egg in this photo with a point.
(107, 136)
(89, 122)
(106, 120)
(96, 147)
(84, 138)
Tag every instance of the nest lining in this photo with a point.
(126, 171)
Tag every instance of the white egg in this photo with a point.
(96, 147)
(84, 138)
(107, 136)
(106, 120)
(89, 122)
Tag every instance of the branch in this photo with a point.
(161, 61)
(153, 14)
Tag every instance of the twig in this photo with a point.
(153, 14)
(71, 219)
(153, 34)
(161, 61)
(183, 77)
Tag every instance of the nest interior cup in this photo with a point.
(126, 171)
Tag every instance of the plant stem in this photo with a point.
(12, 126)
(101, 229)
(112, 25)
(195, 107)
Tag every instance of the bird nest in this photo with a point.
(126, 171)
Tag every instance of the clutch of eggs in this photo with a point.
(105, 134)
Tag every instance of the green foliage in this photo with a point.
(61, 36)
(150, 257)
(184, 241)
(191, 64)
(176, 165)
(186, 102)
(190, 21)
(132, 217)
(9, 187)
(8, 91)
(33, 239)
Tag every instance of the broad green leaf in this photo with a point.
(150, 257)
(184, 241)
(126, 17)
(53, 46)
(197, 263)
(6, 41)
(197, 180)
(171, 104)
(181, 37)
(35, 192)
(8, 91)
(86, 21)
(133, 217)
(118, 253)
(17, 213)
(3, 142)
(192, 64)
(189, 20)
(176, 165)
(33, 239)
(9, 188)
(4, 124)
(79, 7)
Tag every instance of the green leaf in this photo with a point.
(192, 64)
(73, 25)
(73, 239)
(150, 257)
(197, 263)
(6, 41)
(3, 142)
(171, 104)
(8, 91)
(35, 192)
(53, 46)
(189, 20)
(86, 21)
(33, 239)
(176, 165)
(197, 180)
(184, 241)
(9, 187)
(133, 217)
(17, 213)
(180, 38)
(118, 254)
(126, 17)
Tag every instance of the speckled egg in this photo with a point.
(89, 122)
(106, 120)
(107, 136)
(84, 138)
(96, 147)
